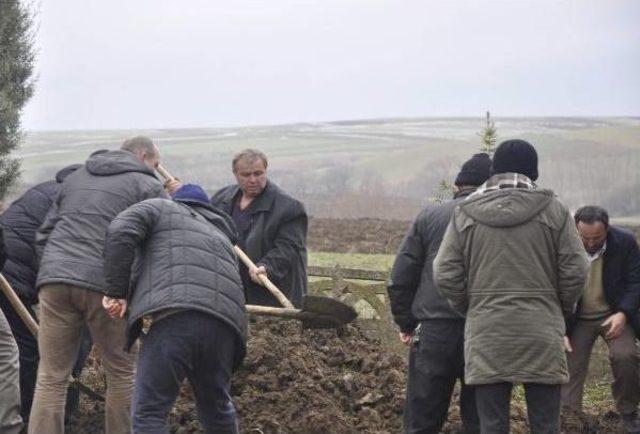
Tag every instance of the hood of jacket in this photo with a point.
(63, 173)
(507, 207)
(114, 163)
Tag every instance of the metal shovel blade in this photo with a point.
(317, 312)
(325, 312)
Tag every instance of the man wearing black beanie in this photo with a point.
(427, 323)
(512, 262)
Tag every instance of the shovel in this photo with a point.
(316, 312)
(33, 327)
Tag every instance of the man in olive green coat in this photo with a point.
(513, 263)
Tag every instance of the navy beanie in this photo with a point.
(475, 171)
(193, 194)
(516, 156)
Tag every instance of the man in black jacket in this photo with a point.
(20, 222)
(608, 308)
(272, 230)
(185, 277)
(427, 323)
(71, 280)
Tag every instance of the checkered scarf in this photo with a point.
(506, 180)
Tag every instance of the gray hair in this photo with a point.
(139, 143)
(591, 214)
(250, 155)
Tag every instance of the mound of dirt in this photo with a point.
(299, 381)
(320, 381)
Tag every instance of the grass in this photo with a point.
(378, 262)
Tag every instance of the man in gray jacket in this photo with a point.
(513, 263)
(173, 261)
(71, 280)
(427, 323)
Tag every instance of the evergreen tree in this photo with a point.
(489, 136)
(17, 57)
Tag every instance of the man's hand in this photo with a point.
(255, 273)
(567, 345)
(616, 323)
(115, 307)
(172, 186)
(406, 338)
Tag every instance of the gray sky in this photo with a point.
(165, 64)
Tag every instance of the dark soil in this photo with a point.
(364, 235)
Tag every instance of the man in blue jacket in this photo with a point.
(608, 308)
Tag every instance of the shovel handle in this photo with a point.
(18, 306)
(33, 327)
(164, 173)
(264, 279)
(243, 257)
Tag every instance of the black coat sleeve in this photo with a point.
(289, 242)
(125, 234)
(630, 300)
(405, 276)
(3, 255)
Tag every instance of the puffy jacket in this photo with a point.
(513, 262)
(184, 260)
(412, 292)
(276, 238)
(71, 240)
(20, 222)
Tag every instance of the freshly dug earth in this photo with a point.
(365, 235)
(320, 381)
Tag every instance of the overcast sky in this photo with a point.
(194, 63)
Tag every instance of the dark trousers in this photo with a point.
(191, 345)
(543, 407)
(29, 358)
(436, 361)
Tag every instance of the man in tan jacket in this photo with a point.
(512, 262)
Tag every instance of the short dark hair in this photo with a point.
(251, 155)
(590, 214)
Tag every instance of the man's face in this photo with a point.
(593, 236)
(251, 176)
(149, 159)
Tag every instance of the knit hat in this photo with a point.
(192, 194)
(475, 171)
(516, 156)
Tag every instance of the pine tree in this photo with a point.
(17, 57)
(489, 136)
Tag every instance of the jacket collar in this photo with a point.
(262, 203)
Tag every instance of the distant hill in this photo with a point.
(355, 168)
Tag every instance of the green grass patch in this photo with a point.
(378, 262)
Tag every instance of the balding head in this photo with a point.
(144, 149)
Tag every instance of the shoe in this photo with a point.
(631, 423)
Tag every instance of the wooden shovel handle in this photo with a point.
(33, 327)
(20, 309)
(164, 173)
(264, 279)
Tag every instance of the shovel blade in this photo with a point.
(325, 312)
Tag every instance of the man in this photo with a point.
(20, 222)
(186, 279)
(272, 230)
(71, 280)
(608, 308)
(10, 420)
(512, 261)
(427, 322)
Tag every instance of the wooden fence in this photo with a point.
(365, 290)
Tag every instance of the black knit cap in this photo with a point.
(516, 156)
(475, 171)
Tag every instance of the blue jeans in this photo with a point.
(191, 345)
